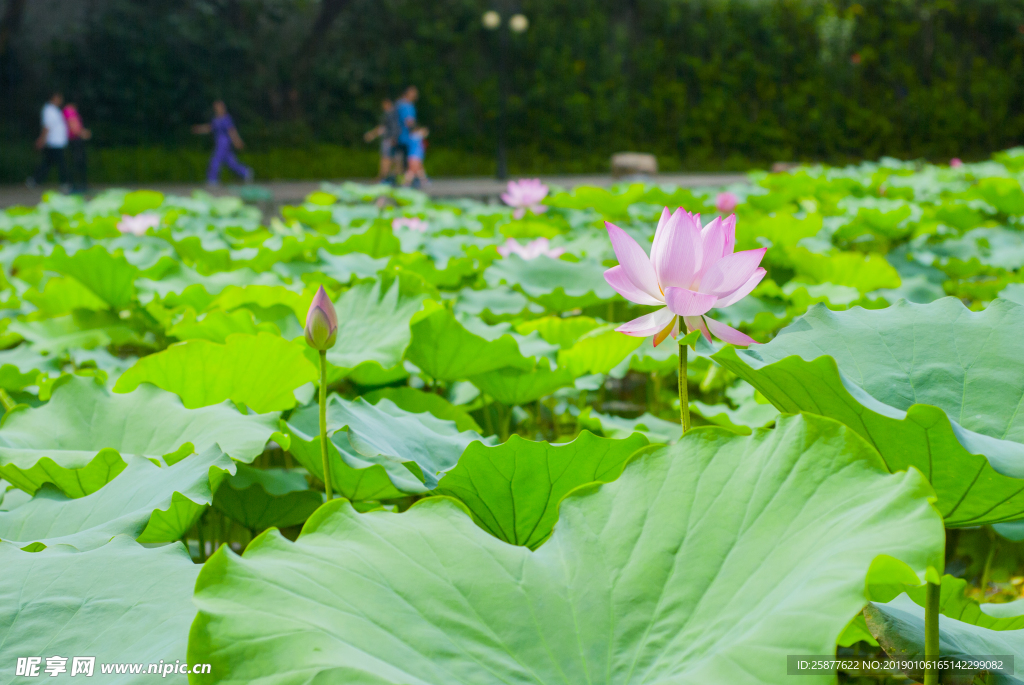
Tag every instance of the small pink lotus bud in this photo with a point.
(321, 322)
(726, 202)
(956, 163)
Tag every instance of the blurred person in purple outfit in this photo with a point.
(225, 136)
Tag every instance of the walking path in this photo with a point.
(285, 192)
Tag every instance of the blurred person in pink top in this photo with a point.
(78, 134)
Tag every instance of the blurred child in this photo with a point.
(387, 130)
(415, 175)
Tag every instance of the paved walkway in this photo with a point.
(284, 192)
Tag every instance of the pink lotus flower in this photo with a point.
(956, 163)
(691, 270)
(411, 222)
(139, 224)
(726, 202)
(321, 322)
(533, 249)
(525, 194)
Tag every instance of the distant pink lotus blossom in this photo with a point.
(956, 163)
(138, 224)
(533, 249)
(525, 194)
(411, 222)
(726, 202)
(691, 270)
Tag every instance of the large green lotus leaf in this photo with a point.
(417, 401)
(495, 303)
(513, 490)
(556, 284)
(704, 563)
(120, 603)
(22, 366)
(139, 201)
(150, 503)
(217, 325)
(414, 449)
(79, 439)
(563, 332)
(513, 386)
(934, 386)
(1005, 194)
(954, 603)
(186, 285)
(445, 350)
(899, 628)
(598, 351)
(82, 329)
(656, 429)
(111, 278)
(998, 247)
(261, 498)
(863, 272)
(62, 295)
(259, 371)
(373, 327)
(361, 483)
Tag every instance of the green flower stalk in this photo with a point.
(321, 334)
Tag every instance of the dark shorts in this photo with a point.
(387, 147)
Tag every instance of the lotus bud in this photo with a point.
(321, 322)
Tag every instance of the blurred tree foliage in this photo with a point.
(701, 83)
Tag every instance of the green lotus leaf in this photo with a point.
(513, 386)
(150, 503)
(111, 278)
(513, 490)
(62, 295)
(899, 628)
(119, 603)
(954, 603)
(139, 201)
(654, 428)
(259, 371)
(360, 483)
(416, 402)
(373, 328)
(611, 205)
(494, 304)
(413, 449)
(556, 284)
(705, 563)
(446, 351)
(1005, 194)
(185, 285)
(598, 351)
(996, 247)
(82, 329)
(935, 386)
(261, 498)
(863, 272)
(564, 332)
(81, 438)
(217, 325)
(22, 366)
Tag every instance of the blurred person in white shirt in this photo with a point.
(53, 142)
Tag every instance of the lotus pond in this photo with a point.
(514, 499)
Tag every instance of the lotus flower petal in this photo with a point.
(648, 324)
(619, 281)
(729, 231)
(671, 329)
(712, 244)
(685, 302)
(741, 292)
(696, 323)
(676, 256)
(728, 333)
(731, 272)
(633, 260)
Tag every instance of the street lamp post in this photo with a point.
(517, 23)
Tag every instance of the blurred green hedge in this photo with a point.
(709, 84)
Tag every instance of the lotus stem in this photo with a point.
(684, 391)
(931, 634)
(323, 423)
(986, 573)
